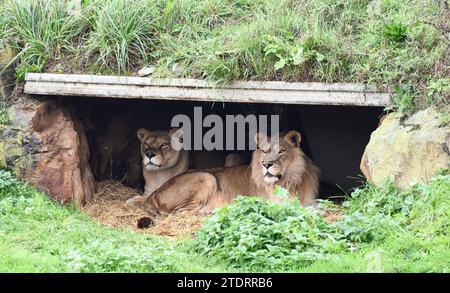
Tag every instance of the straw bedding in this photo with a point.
(108, 207)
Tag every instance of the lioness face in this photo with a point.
(274, 156)
(156, 149)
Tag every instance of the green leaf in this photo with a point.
(297, 57)
(280, 64)
(320, 57)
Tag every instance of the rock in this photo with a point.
(408, 150)
(176, 69)
(45, 147)
(7, 79)
(147, 70)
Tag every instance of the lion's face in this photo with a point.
(156, 149)
(274, 158)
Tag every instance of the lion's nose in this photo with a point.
(150, 154)
(267, 165)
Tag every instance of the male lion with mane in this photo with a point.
(275, 162)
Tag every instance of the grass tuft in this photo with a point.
(40, 29)
(121, 33)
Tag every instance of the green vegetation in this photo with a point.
(38, 235)
(121, 32)
(41, 30)
(378, 42)
(407, 230)
(380, 230)
(4, 117)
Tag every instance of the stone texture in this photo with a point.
(147, 70)
(7, 80)
(44, 146)
(407, 150)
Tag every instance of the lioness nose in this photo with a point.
(267, 165)
(150, 154)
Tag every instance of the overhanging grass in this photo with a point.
(40, 30)
(380, 42)
(121, 32)
(382, 230)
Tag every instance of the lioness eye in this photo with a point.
(145, 146)
(164, 145)
(281, 152)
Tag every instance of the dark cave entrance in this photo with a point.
(334, 137)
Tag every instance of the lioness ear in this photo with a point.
(142, 134)
(261, 139)
(293, 137)
(176, 133)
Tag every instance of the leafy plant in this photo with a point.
(289, 54)
(438, 91)
(256, 234)
(403, 99)
(395, 32)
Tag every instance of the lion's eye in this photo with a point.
(281, 152)
(164, 145)
(145, 146)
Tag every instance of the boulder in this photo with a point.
(408, 150)
(44, 146)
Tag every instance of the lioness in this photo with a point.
(159, 159)
(282, 163)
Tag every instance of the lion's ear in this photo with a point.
(261, 139)
(293, 137)
(142, 134)
(177, 134)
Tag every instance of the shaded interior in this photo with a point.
(334, 137)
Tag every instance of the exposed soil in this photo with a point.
(108, 207)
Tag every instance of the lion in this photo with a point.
(160, 160)
(274, 162)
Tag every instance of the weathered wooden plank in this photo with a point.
(199, 90)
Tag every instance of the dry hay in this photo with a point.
(108, 207)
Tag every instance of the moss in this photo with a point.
(20, 137)
(6, 55)
(20, 165)
(12, 154)
(2, 156)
